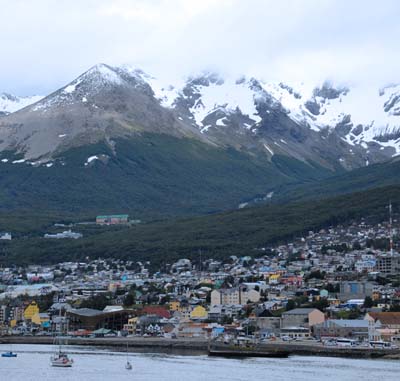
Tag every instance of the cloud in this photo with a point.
(46, 43)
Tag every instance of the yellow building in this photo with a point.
(199, 312)
(31, 310)
(274, 278)
(40, 319)
(174, 305)
(130, 327)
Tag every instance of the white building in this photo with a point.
(236, 295)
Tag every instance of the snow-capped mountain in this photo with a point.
(11, 103)
(345, 126)
(102, 103)
(362, 116)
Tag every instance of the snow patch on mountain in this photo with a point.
(229, 95)
(11, 103)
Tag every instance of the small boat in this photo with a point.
(60, 358)
(128, 365)
(9, 354)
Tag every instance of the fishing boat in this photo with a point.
(60, 358)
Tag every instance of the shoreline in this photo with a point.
(199, 346)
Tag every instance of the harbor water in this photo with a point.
(93, 364)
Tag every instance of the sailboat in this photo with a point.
(128, 365)
(60, 358)
(9, 353)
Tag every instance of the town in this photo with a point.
(338, 286)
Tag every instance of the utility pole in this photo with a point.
(391, 228)
(201, 262)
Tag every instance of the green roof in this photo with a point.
(103, 331)
(114, 216)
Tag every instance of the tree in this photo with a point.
(97, 302)
(321, 304)
(290, 305)
(368, 302)
(129, 300)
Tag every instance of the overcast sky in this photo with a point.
(47, 43)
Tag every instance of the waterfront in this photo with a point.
(92, 364)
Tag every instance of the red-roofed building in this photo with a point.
(389, 320)
(161, 312)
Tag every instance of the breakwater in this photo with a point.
(193, 346)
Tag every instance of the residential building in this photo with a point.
(389, 320)
(237, 295)
(355, 290)
(302, 317)
(388, 264)
(198, 313)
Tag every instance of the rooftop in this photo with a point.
(300, 311)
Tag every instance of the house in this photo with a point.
(161, 312)
(130, 327)
(174, 305)
(274, 278)
(191, 329)
(302, 317)
(198, 313)
(389, 320)
(42, 319)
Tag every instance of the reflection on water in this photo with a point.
(93, 364)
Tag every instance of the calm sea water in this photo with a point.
(94, 364)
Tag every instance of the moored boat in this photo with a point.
(60, 358)
(128, 365)
(9, 354)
